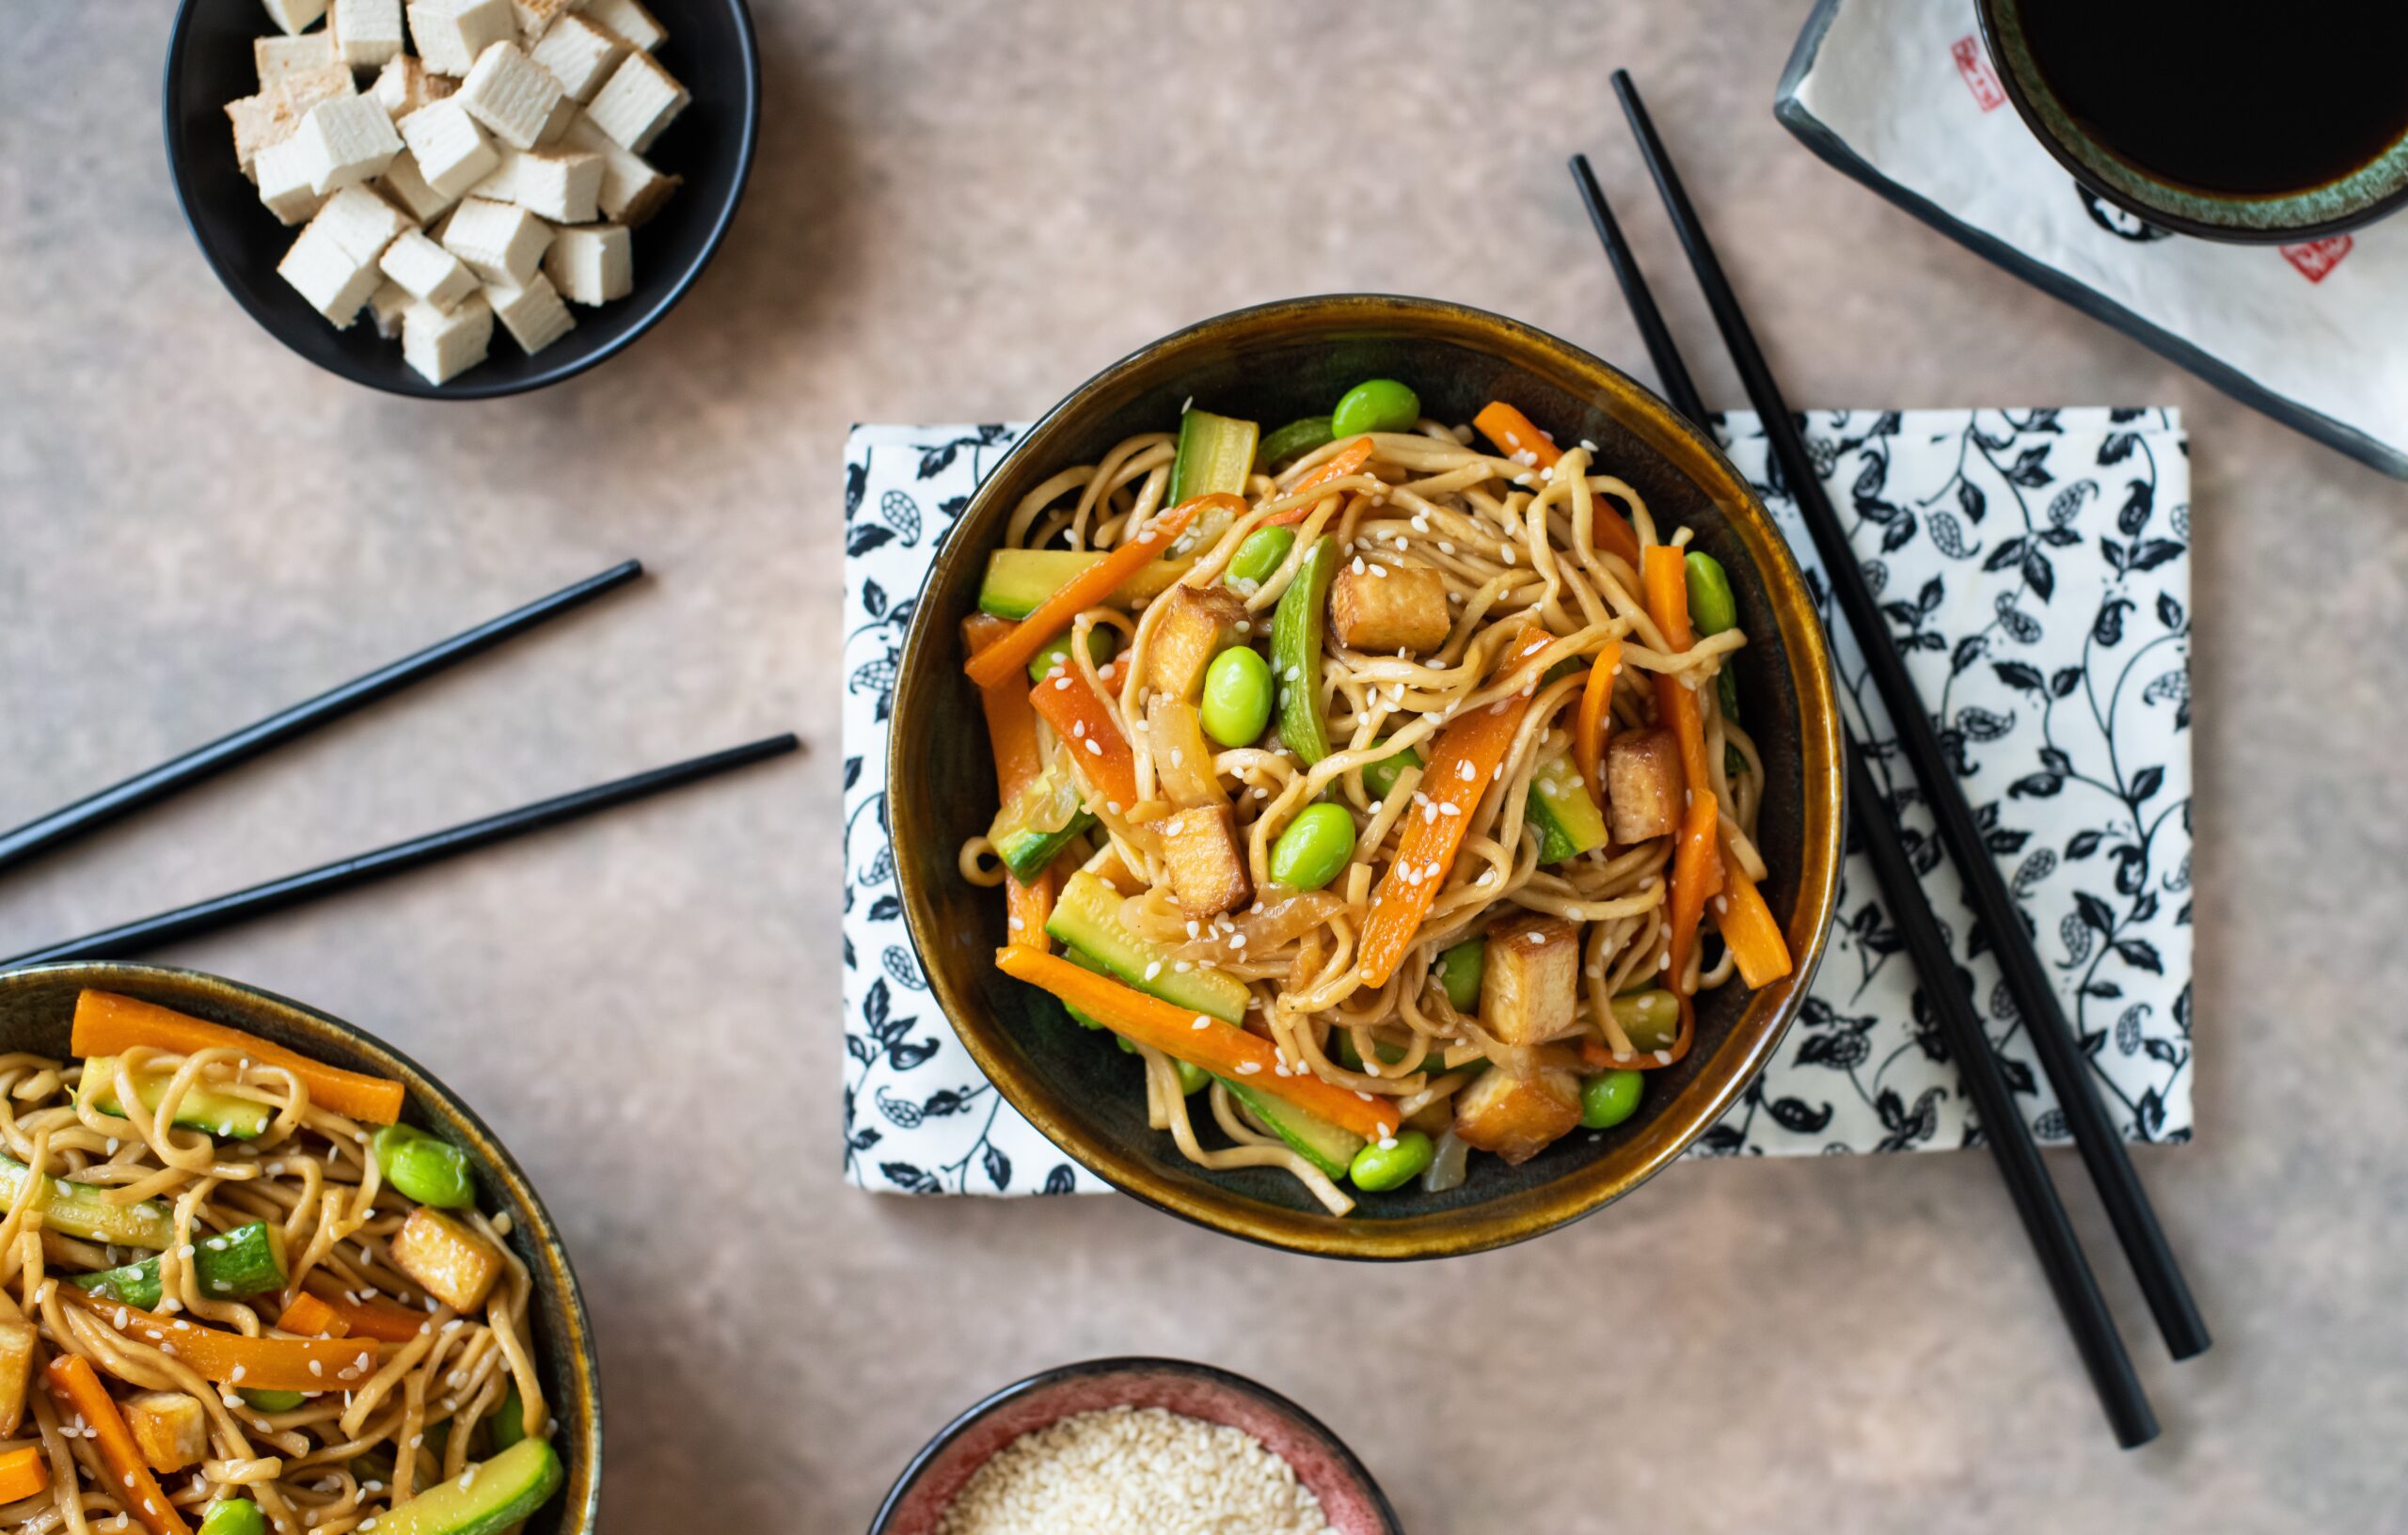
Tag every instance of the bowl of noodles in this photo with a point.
(1407, 809)
(259, 1272)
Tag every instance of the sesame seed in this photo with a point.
(1202, 1023)
(1095, 747)
(1663, 1057)
(1247, 1068)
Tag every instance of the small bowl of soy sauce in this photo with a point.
(2228, 119)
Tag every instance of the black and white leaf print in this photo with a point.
(1799, 1117)
(1060, 1181)
(998, 1166)
(864, 537)
(904, 969)
(902, 514)
(909, 1179)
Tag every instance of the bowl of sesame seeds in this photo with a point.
(1135, 1447)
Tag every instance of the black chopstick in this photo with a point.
(2053, 1039)
(2034, 1195)
(345, 874)
(202, 762)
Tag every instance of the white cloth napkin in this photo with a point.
(1900, 95)
(2036, 564)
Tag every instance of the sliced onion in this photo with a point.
(1287, 917)
(1446, 1169)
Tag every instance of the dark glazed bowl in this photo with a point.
(1351, 1501)
(711, 52)
(37, 1011)
(2366, 194)
(1275, 363)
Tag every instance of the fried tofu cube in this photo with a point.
(1518, 1118)
(347, 141)
(1530, 982)
(451, 151)
(511, 94)
(405, 84)
(630, 19)
(592, 263)
(1196, 626)
(1642, 785)
(169, 1429)
(456, 1265)
(295, 16)
(1207, 862)
(579, 54)
(443, 346)
(1384, 608)
(365, 33)
(283, 176)
(17, 1341)
(501, 242)
(276, 57)
(632, 191)
(533, 314)
(431, 274)
(637, 101)
(452, 33)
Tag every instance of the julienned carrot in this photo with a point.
(1463, 762)
(1596, 714)
(1223, 1049)
(1089, 586)
(23, 1472)
(73, 1381)
(1747, 924)
(263, 1364)
(372, 1316)
(311, 1317)
(109, 1024)
(1514, 435)
(1696, 875)
(1090, 737)
(1697, 855)
(1668, 603)
(1338, 465)
(1011, 730)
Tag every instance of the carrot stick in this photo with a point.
(265, 1364)
(311, 1317)
(1012, 729)
(1748, 927)
(1668, 603)
(22, 1473)
(1090, 586)
(109, 1024)
(1338, 465)
(372, 1316)
(1220, 1048)
(1463, 762)
(73, 1381)
(1595, 714)
(1514, 435)
(1697, 873)
(1090, 736)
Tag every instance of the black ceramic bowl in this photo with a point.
(38, 1012)
(1351, 1501)
(711, 52)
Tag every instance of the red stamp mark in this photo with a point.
(1975, 65)
(2317, 256)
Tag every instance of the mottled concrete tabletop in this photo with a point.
(958, 213)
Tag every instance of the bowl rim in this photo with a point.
(977, 1412)
(1476, 1228)
(580, 1514)
(402, 381)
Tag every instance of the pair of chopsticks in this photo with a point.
(182, 772)
(2034, 1195)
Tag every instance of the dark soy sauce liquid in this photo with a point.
(2243, 96)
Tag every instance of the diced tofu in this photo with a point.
(405, 84)
(277, 57)
(1518, 1118)
(406, 188)
(593, 263)
(630, 19)
(632, 191)
(1642, 785)
(637, 101)
(501, 243)
(451, 33)
(1207, 862)
(295, 16)
(305, 89)
(431, 274)
(453, 152)
(453, 1263)
(579, 54)
(536, 18)
(365, 33)
(1530, 982)
(18, 1338)
(533, 315)
(562, 187)
(347, 141)
(272, 116)
(1402, 610)
(170, 1428)
(510, 94)
(387, 306)
(335, 281)
(282, 172)
(359, 221)
(442, 346)
(1196, 624)
(556, 126)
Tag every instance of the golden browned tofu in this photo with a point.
(16, 1369)
(1406, 608)
(1206, 864)
(168, 1428)
(1195, 627)
(1530, 979)
(455, 1264)
(1518, 1118)
(1642, 785)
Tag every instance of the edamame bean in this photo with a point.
(1377, 404)
(1712, 608)
(1292, 440)
(273, 1401)
(1381, 776)
(1378, 1168)
(1102, 643)
(425, 1169)
(1651, 1019)
(1237, 696)
(1609, 1098)
(1460, 970)
(235, 1516)
(1315, 846)
(1258, 559)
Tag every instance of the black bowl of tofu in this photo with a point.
(457, 199)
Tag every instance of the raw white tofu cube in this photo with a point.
(533, 313)
(451, 33)
(637, 101)
(511, 94)
(295, 16)
(387, 306)
(405, 188)
(334, 280)
(442, 346)
(277, 57)
(632, 191)
(591, 265)
(579, 54)
(501, 243)
(560, 186)
(283, 175)
(347, 141)
(432, 274)
(365, 33)
(361, 222)
(272, 114)
(556, 126)
(453, 152)
(405, 84)
(630, 19)
(537, 16)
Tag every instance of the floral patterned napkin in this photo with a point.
(2035, 567)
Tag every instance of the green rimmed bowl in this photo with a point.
(1275, 363)
(38, 1014)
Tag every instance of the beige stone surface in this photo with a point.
(959, 212)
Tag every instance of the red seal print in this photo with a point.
(1975, 65)
(2317, 256)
